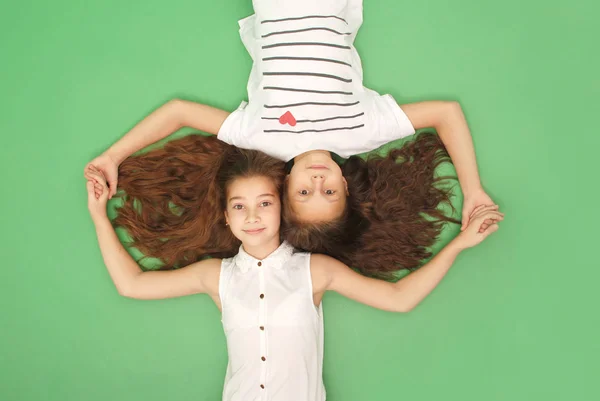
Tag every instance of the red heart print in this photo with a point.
(287, 118)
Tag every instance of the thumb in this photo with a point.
(113, 188)
(465, 219)
(90, 189)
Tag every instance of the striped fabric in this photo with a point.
(305, 89)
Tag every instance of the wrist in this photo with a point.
(471, 188)
(101, 220)
(116, 156)
(456, 246)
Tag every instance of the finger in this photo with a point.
(113, 189)
(476, 210)
(103, 195)
(488, 222)
(492, 229)
(90, 189)
(486, 210)
(485, 221)
(491, 214)
(465, 222)
(87, 173)
(99, 178)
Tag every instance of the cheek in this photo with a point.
(236, 220)
(274, 216)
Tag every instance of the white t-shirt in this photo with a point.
(274, 331)
(305, 89)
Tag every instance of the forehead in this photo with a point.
(252, 186)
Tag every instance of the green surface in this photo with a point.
(516, 319)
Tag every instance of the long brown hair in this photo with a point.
(392, 214)
(174, 197)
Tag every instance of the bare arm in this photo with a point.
(449, 121)
(132, 282)
(164, 121)
(402, 296)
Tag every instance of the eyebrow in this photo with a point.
(243, 197)
(299, 200)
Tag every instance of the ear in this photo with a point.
(346, 185)
(226, 218)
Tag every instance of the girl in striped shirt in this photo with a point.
(306, 101)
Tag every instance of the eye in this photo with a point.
(238, 207)
(330, 192)
(303, 192)
(265, 204)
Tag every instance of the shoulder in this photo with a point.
(323, 270)
(207, 269)
(230, 131)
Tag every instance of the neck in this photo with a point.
(263, 250)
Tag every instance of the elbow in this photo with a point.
(454, 108)
(404, 308)
(403, 305)
(175, 102)
(125, 291)
(451, 108)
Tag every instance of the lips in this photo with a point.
(318, 167)
(254, 231)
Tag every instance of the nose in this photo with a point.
(317, 180)
(252, 217)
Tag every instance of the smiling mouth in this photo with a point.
(254, 231)
(318, 167)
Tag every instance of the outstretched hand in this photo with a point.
(483, 222)
(109, 168)
(98, 193)
(471, 203)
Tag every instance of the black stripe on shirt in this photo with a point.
(328, 60)
(314, 130)
(279, 88)
(319, 120)
(306, 17)
(278, 106)
(305, 44)
(308, 74)
(305, 30)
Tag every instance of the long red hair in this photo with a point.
(173, 197)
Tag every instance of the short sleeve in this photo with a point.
(231, 130)
(391, 120)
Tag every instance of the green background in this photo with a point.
(515, 319)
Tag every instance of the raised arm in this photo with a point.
(449, 121)
(331, 275)
(129, 279)
(164, 121)
(161, 123)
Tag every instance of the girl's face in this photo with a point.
(316, 188)
(253, 211)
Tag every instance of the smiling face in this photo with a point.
(316, 188)
(253, 211)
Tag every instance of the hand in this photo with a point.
(97, 194)
(109, 169)
(471, 203)
(483, 222)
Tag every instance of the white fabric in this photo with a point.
(292, 339)
(287, 40)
